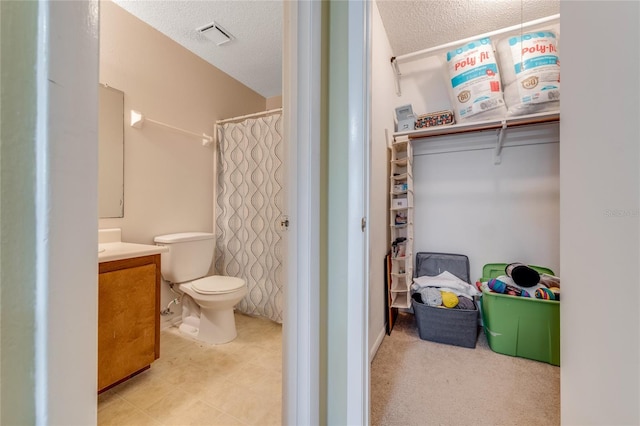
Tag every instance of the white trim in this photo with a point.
(376, 345)
(357, 272)
(301, 104)
(42, 216)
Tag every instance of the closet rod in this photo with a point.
(257, 114)
(137, 119)
(453, 44)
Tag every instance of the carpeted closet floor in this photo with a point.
(417, 382)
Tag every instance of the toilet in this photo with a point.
(208, 301)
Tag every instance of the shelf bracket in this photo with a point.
(497, 155)
(396, 75)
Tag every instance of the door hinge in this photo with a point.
(363, 223)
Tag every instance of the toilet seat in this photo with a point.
(217, 285)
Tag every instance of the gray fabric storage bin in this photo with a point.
(457, 327)
(432, 264)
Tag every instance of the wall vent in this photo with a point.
(215, 33)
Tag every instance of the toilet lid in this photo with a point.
(217, 285)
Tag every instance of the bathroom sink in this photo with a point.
(120, 250)
(111, 247)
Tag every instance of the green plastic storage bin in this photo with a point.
(521, 326)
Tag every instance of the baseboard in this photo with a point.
(377, 343)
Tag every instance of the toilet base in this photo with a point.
(213, 326)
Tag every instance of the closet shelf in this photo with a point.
(402, 176)
(398, 227)
(523, 120)
(417, 137)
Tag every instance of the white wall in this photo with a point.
(382, 95)
(492, 213)
(600, 185)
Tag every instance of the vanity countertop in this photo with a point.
(119, 250)
(111, 247)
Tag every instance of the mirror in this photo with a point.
(110, 152)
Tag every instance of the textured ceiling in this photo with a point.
(254, 57)
(418, 25)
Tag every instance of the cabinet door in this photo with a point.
(127, 322)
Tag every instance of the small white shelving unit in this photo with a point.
(401, 222)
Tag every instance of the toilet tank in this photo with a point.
(189, 257)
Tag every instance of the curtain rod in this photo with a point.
(137, 119)
(257, 114)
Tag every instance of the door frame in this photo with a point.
(304, 353)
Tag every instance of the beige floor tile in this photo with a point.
(145, 389)
(255, 409)
(108, 397)
(197, 413)
(222, 394)
(272, 416)
(124, 414)
(232, 348)
(198, 382)
(248, 406)
(269, 384)
(215, 361)
(172, 369)
(269, 360)
(248, 375)
(171, 341)
(250, 352)
(175, 402)
(227, 420)
(238, 383)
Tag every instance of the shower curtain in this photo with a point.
(249, 208)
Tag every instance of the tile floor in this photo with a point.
(238, 383)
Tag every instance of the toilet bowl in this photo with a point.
(207, 301)
(215, 296)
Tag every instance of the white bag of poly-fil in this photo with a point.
(530, 67)
(475, 87)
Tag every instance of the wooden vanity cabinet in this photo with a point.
(128, 318)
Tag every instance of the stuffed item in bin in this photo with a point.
(549, 281)
(430, 296)
(465, 303)
(545, 293)
(449, 300)
(522, 275)
(556, 292)
(504, 288)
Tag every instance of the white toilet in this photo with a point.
(207, 313)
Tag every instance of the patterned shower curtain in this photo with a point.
(249, 208)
